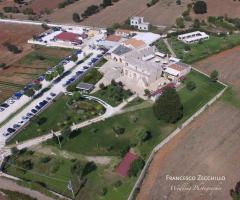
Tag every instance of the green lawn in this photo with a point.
(204, 48)
(93, 76)
(53, 175)
(44, 57)
(232, 97)
(101, 139)
(58, 115)
(162, 47)
(114, 94)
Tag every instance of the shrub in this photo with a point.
(76, 17)
(45, 159)
(214, 76)
(191, 85)
(136, 167)
(144, 136)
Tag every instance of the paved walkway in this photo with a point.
(38, 140)
(169, 47)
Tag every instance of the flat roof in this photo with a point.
(193, 33)
(147, 37)
(120, 50)
(113, 38)
(85, 86)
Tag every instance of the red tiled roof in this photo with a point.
(68, 36)
(125, 164)
(160, 90)
(113, 38)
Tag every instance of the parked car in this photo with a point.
(2, 109)
(6, 134)
(48, 98)
(11, 130)
(34, 111)
(52, 94)
(85, 67)
(15, 126)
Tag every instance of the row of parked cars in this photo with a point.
(79, 73)
(29, 115)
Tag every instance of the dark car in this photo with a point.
(38, 107)
(34, 111)
(5, 105)
(52, 94)
(85, 67)
(11, 130)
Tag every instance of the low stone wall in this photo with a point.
(166, 140)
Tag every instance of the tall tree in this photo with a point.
(168, 107)
(200, 7)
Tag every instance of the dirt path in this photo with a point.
(12, 186)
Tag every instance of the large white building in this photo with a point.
(193, 37)
(139, 23)
(146, 68)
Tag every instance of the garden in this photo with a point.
(64, 111)
(114, 94)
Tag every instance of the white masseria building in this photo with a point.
(193, 37)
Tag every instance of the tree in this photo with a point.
(235, 193)
(191, 85)
(29, 92)
(48, 77)
(76, 96)
(14, 151)
(74, 58)
(118, 130)
(77, 169)
(147, 92)
(196, 23)
(168, 107)
(102, 86)
(76, 18)
(144, 135)
(180, 22)
(136, 167)
(214, 75)
(37, 86)
(88, 168)
(187, 47)
(200, 7)
(107, 3)
(178, 2)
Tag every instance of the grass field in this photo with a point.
(91, 142)
(56, 172)
(100, 140)
(162, 47)
(80, 111)
(205, 48)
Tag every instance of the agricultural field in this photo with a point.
(203, 49)
(220, 8)
(17, 75)
(8, 34)
(226, 63)
(64, 15)
(208, 146)
(164, 13)
(118, 13)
